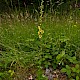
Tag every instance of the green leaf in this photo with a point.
(59, 56)
(77, 71)
(73, 69)
(50, 57)
(49, 63)
(40, 62)
(44, 59)
(77, 66)
(67, 67)
(74, 58)
(1, 64)
(77, 77)
(63, 70)
(1, 73)
(71, 60)
(46, 56)
(48, 46)
(54, 66)
(47, 50)
(55, 53)
(69, 73)
(46, 65)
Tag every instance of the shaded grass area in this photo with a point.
(21, 48)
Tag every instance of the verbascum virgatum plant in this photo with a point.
(40, 32)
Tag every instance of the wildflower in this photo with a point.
(40, 36)
(40, 32)
(39, 27)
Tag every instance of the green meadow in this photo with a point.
(22, 49)
(32, 44)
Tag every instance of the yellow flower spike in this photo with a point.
(40, 32)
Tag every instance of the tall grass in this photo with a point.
(18, 37)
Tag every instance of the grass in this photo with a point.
(19, 42)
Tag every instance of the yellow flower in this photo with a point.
(39, 27)
(40, 32)
(40, 36)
